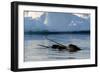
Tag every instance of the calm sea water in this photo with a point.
(34, 52)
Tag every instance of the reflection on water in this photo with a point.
(34, 52)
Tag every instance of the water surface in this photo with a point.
(34, 52)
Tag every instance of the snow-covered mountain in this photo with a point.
(67, 22)
(33, 25)
(58, 22)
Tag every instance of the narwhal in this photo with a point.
(59, 46)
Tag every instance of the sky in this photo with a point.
(38, 14)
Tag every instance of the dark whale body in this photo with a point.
(73, 48)
(58, 47)
(70, 47)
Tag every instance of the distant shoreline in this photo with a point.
(70, 32)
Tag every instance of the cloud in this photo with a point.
(32, 14)
(84, 16)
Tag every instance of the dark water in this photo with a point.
(34, 52)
